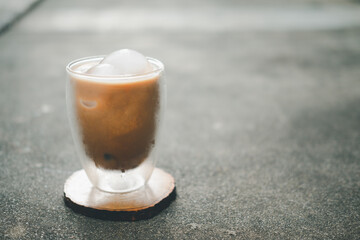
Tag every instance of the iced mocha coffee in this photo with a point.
(117, 120)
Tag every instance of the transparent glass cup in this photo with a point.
(115, 123)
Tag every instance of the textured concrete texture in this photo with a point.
(13, 10)
(262, 129)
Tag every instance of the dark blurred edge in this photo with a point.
(19, 16)
(129, 216)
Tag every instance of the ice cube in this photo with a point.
(84, 68)
(102, 69)
(127, 62)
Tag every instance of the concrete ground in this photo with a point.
(262, 128)
(12, 11)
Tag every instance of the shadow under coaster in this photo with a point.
(146, 202)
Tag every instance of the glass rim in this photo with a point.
(158, 64)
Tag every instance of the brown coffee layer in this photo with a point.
(117, 121)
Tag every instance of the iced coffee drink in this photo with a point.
(115, 109)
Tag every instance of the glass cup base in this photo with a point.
(118, 182)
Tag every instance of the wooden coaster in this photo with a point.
(82, 197)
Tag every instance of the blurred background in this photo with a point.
(262, 128)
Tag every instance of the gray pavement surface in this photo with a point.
(262, 129)
(11, 11)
